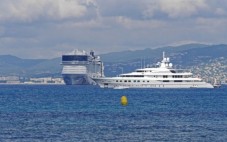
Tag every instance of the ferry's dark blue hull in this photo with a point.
(77, 79)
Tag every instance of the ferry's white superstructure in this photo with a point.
(163, 76)
(79, 68)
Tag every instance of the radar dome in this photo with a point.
(171, 65)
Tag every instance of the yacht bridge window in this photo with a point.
(172, 71)
(140, 71)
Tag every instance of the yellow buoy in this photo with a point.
(124, 101)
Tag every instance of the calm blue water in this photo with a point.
(86, 113)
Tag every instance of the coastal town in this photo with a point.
(25, 80)
(213, 70)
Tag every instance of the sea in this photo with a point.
(60, 113)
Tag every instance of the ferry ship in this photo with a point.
(79, 68)
(162, 76)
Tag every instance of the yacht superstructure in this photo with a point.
(79, 68)
(163, 76)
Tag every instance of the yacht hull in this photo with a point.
(110, 83)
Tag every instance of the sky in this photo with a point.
(49, 28)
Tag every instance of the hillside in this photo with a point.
(185, 56)
(126, 56)
(11, 65)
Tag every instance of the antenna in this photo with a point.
(163, 54)
(141, 66)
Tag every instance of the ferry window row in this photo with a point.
(132, 81)
(177, 76)
(147, 81)
(164, 76)
(132, 75)
(157, 76)
(172, 81)
(143, 71)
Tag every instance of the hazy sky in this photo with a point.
(48, 28)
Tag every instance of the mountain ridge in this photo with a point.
(183, 56)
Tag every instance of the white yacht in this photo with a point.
(163, 76)
(79, 68)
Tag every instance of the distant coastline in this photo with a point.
(206, 61)
(43, 80)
